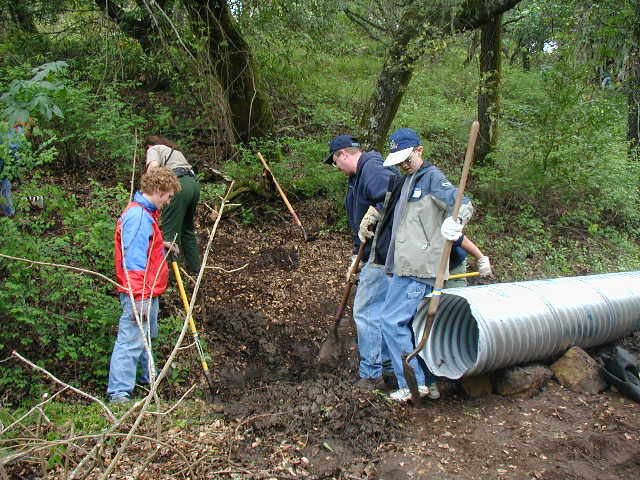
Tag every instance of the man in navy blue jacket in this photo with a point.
(368, 183)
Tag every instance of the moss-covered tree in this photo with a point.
(489, 93)
(421, 22)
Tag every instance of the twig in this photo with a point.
(78, 269)
(57, 380)
(133, 167)
(175, 405)
(38, 406)
(229, 271)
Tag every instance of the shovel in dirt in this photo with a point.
(409, 374)
(330, 348)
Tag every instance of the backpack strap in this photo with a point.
(167, 159)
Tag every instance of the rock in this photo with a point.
(477, 386)
(579, 372)
(523, 382)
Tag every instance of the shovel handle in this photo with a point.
(463, 275)
(347, 288)
(194, 330)
(283, 195)
(446, 252)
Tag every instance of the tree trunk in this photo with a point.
(233, 64)
(139, 28)
(420, 22)
(633, 124)
(489, 94)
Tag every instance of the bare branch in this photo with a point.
(57, 380)
(77, 269)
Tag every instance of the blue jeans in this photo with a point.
(6, 205)
(401, 303)
(129, 351)
(366, 313)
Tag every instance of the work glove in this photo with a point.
(142, 307)
(484, 266)
(366, 224)
(465, 213)
(353, 277)
(451, 229)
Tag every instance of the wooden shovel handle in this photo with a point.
(280, 191)
(347, 288)
(446, 252)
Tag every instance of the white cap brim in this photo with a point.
(397, 157)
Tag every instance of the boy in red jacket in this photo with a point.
(142, 273)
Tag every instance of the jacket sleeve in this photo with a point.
(444, 192)
(378, 185)
(137, 230)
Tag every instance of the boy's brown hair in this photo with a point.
(160, 179)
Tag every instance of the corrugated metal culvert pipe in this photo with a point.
(483, 328)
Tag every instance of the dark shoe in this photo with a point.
(390, 382)
(370, 384)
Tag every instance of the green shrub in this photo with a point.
(39, 96)
(60, 319)
(562, 152)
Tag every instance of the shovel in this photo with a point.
(284, 197)
(194, 330)
(409, 374)
(329, 348)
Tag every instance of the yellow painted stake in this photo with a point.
(194, 330)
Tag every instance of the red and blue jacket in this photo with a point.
(139, 248)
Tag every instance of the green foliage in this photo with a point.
(19, 158)
(99, 127)
(562, 155)
(39, 96)
(62, 320)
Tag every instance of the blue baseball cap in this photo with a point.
(338, 143)
(401, 144)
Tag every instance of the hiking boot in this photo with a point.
(124, 399)
(434, 393)
(390, 381)
(370, 384)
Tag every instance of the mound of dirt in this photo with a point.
(273, 387)
(278, 257)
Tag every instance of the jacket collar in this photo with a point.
(139, 198)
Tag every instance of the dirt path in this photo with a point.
(266, 323)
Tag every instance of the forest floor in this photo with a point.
(283, 415)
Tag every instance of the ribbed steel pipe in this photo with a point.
(483, 328)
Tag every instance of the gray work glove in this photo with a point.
(465, 213)
(172, 248)
(143, 307)
(353, 277)
(366, 224)
(484, 266)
